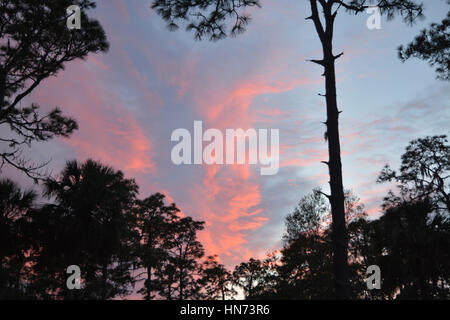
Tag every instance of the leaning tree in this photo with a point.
(218, 18)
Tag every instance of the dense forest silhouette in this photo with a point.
(92, 216)
(94, 219)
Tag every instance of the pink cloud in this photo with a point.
(107, 130)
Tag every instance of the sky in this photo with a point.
(152, 81)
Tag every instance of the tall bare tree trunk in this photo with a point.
(340, 240)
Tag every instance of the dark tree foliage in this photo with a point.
(90, 224)
(178, 275)
(15, 205)
(155, 221)
(411, 241)
(306, 268)
(166, 280)
(306, 261)
(257, 278)
(186, 253)
(246, 276)
(94, 220)
(361, 255)
(206, 17)
(216, 281)
(424, 173)
(35, 45)
(166, 251)
(411, 246)
(307, 217)
(432, 45)
(410, 10)
(305, 271)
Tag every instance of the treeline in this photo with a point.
(94, 219)
(410, 242)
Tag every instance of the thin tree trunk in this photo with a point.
(104, 280)
(340, 240)
(181, 284)
(149, 286)
(2, 93)
(2, 87)
(223, 293)
(169, 292)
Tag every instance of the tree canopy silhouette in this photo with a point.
(15, 206)
(35, 45)
(257, 278)
(424, 173)
(90, 224)
(306, 270)
(411, 245)
(432, 45)
(93, 219)
(155, 225)
(206, 17)
(216, 280)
